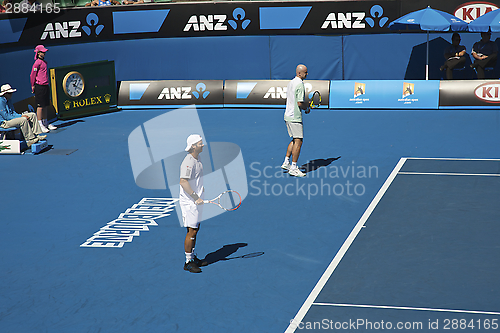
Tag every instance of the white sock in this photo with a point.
(287, 160)
(189, 256)
(294, 165)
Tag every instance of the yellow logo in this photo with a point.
(90, 101)
(107, 98)
(67, 104)
(359, 89)
(408, 89)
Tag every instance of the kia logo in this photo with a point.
(488, 92)
(472, 10)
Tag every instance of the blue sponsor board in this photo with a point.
(384, 94)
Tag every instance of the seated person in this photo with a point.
(132, 2)
(27, 122)
(95, 3)
(454, 55)
(484, 53)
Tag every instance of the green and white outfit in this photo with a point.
(295, 92)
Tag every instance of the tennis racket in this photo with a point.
(228, 200)
(315, 100)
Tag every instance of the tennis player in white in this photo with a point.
(191, 200)
(295, 103)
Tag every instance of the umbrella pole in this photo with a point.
(427, 59)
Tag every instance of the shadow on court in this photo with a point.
(68, 123)
(224, 252)
(316, 164)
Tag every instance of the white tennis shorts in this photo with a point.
(295, 130)
(191, 214)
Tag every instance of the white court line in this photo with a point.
(338, 257)
(408, 308)
(448, 174)
(452, 159)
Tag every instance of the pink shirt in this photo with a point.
(39, 74)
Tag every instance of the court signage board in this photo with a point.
(78, 25)
(384, 94)
(171, 93)
(268, 93)
(469, 94)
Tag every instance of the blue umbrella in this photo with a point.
(428, 19)
(486, 22)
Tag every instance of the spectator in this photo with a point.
(4, 5)
(100, 3)
(454, 55)
(27, 122)
(485, 54)
(132, 2)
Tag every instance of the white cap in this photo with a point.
(191, 140)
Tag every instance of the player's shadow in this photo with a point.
(69, 123)
(224, 252)
(316, 164)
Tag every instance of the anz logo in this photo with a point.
(280, 92)
(355, 20)
(69, 29)
(184, 92)
(61, 30)
(276, 93)
(217, 22)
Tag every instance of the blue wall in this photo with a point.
(353, 57)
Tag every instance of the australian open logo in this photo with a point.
(408, 92)
(408, 89)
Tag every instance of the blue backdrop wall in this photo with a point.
(351, 57)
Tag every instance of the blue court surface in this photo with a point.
(374, 232)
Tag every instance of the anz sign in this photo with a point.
(71, 29)
(218, 22)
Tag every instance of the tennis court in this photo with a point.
(422, 257)
(419, 248)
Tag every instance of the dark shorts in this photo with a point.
(42, 96)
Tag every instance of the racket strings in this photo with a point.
(316, 99)
(230, 200)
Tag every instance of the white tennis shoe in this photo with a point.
(296, 172)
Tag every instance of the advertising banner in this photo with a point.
(469, 94)
(83, 89)
(50, 25)
(171, 93)
(384, 94)
(91, 24)
(268, 93)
